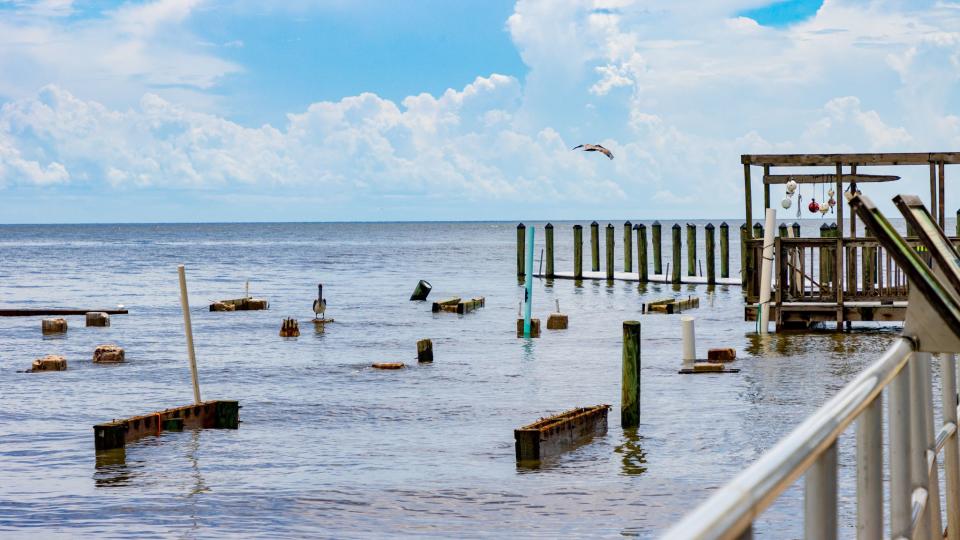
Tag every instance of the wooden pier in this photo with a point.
(60, 312)
(209, 414)
(838, 276)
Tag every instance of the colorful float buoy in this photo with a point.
(814, 206)
(786, 202)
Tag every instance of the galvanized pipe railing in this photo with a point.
(811, 449)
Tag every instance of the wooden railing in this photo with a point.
(806, 270)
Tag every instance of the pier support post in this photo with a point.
(610, 246)
(744, 257)
(766, 271)
(710, 253)
(958, 222)
(628, 247)
(630, 385)
(724, 250)
(594, 247)
(796, 229)
(188, 330)
(548, 235)
(655, 230)
(424, 350)
(578, 251)
(521, 245)
(689, 341)
(691, 249)
(642, 252)
(782, 230)
(676, 253)
(825, 265)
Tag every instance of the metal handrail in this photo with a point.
(731, 510)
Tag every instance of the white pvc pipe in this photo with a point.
(766, 268)
(188, 328)
(689, 341)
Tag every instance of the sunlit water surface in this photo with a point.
(330, 447)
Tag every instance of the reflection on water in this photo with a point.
(632, 456)
(111, 468)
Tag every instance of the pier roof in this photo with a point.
(817, 160)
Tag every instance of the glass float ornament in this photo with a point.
(824, 209)
(814, 206)
(791, 187)
(786, 202)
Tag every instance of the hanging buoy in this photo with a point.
(824, 209)
(791, 187)
(786, 202)
(813, 206)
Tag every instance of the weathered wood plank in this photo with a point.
(551, 436)
(209, 414)
(42, 312)
(827, 178)
(903, 158)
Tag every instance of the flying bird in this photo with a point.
(320, 304)
(595, 148)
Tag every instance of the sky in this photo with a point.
(361, 110)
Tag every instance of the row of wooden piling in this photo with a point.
(640, 230)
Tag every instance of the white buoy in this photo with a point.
(689, 341)
(766, 269)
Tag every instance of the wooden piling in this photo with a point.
(290, 328)
(595, 247)
(51, 362)
(578, 252)
(825, 264)
(710, 253)
(958, 222)
(676, 252)
(108, 354)
(724, 250)
(610, 247)
(642, 252)
(628, 247)
(691, 249)
(424, 350)
(744, 256)
(655, 239)
(630, 381)
(534, 328)
(796, 229)
(782, 230)
(521, 246)
(548, 235)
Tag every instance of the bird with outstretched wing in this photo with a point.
(595, 148)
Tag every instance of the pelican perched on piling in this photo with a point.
(594, 148)
(320, 304)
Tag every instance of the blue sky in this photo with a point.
(316, 110)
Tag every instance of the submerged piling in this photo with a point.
(188, 330)
(578, 251)
(691, 249)
(642, 251)
(424, 350)
(595, 247)
(610, 268)
(521, 245)
(628, 247)
(676, 253)
(657, 254)
(710, 253)
(548, 235)
(630, 382)
(724, 250)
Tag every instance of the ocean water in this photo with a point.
(327, 446)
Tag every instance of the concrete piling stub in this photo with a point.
(51, 362)
(53, 326)
(98, 318)
(290, 328)
(108, 354)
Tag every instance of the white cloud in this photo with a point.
(678, 90)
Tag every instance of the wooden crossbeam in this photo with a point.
(818, 160)
(827, 178)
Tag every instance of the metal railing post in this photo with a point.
(933, 481)
(898, 406)
(870, 471)
(951, 456)
(820, 497)
(919, 479)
